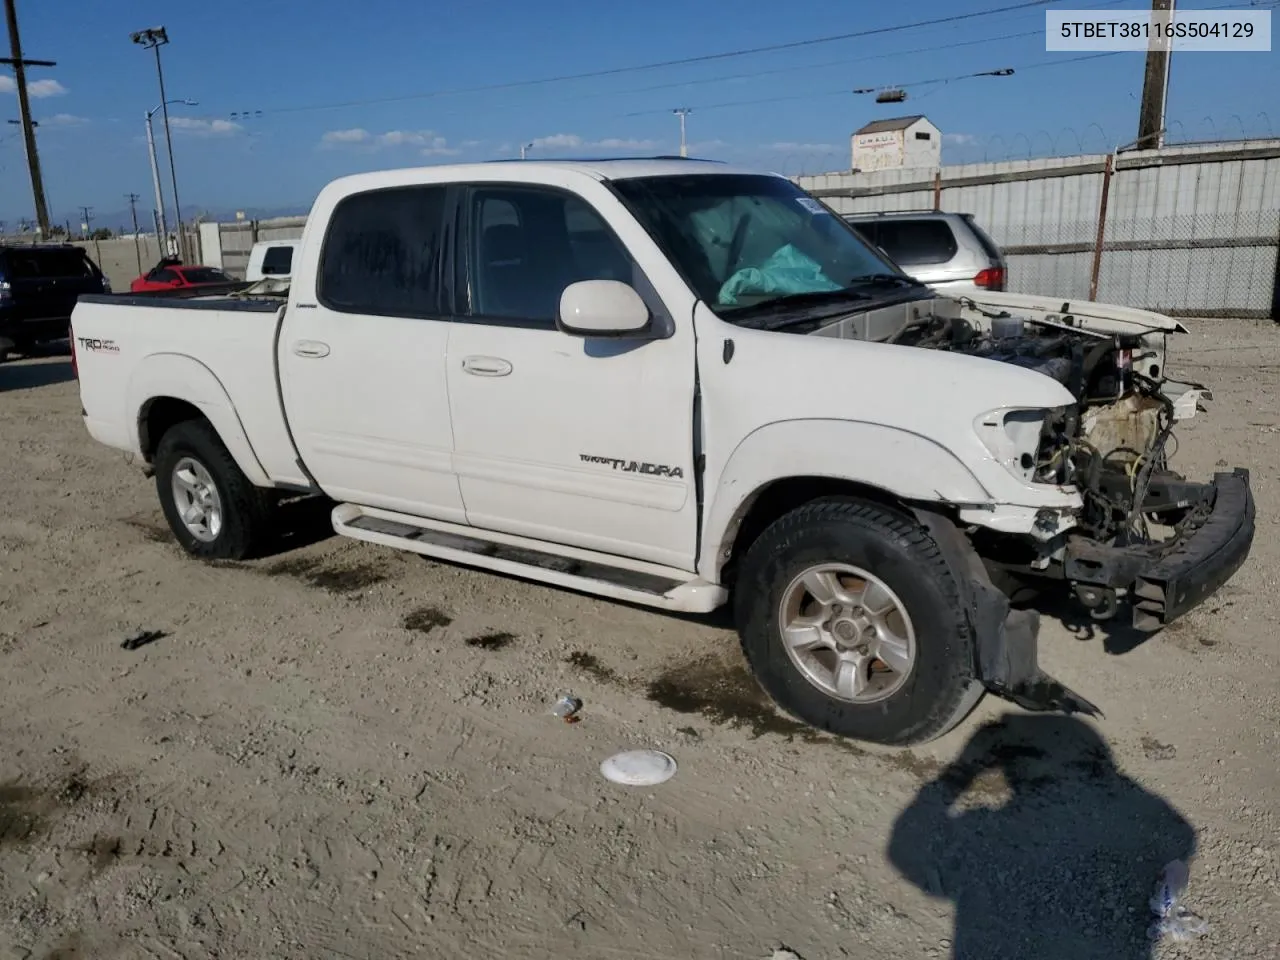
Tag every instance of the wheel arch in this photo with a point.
(171, 388)
(783, 465)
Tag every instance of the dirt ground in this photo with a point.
(345, 752)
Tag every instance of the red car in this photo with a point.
(172, 275)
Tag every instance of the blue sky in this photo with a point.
(298, 61)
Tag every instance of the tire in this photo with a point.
(892, 557)
(192, 449)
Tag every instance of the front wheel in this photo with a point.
(853, 622)
(213, 510)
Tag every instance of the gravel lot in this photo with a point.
(347, 752)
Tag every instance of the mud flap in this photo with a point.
(1006, 640)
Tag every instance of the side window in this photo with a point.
(164, 276)
(528, 244)
(382, 253)
(911, 243)
(276, 261)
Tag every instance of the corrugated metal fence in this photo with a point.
(1191, 230)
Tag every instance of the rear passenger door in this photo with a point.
(362, 355)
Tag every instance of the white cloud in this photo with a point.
(558, 141)
(704, 146)
(470, 144)
(439, 147)
(571, 141)
(63, 120)
(204, 128)
(614, 143)
(789, 147)
(37, 89)
(429, 143)
(959, 139)
(354, 135)
(398, 138)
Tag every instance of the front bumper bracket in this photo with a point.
(1165, 580)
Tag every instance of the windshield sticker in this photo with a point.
(812, 205)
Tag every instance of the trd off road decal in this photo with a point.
(97, 346)
(635, 466)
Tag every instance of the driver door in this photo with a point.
(584, 442)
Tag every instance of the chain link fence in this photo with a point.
(1187, 231)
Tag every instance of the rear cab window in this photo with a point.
(912, 243)
(383, 253)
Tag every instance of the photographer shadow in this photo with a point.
(1044, 847)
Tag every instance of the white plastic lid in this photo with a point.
(639, 768)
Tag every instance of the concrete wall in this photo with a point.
(1192, 230)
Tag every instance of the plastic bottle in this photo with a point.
(1173, 919)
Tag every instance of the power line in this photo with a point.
(846, 92)
(679, 62)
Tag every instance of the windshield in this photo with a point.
(743, 241)
(205, 275)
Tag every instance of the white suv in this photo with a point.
(948, 251)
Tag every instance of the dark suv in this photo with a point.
(39, 284)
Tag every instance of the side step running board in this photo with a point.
(569, 567)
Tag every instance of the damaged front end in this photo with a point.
(1144, 537)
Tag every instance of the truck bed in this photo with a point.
(218, 353)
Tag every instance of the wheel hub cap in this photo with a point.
(847, 633)
(197, 499)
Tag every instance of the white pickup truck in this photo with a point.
(671, 382)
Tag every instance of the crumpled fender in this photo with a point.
(906, 465)
(185, 378)
(1006, 641)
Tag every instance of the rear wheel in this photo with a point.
(853, 622)
(213, 510)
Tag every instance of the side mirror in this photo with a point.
(602, 308)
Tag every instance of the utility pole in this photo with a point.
(133, 199)
(1155, 81)
(20, 65)
(86, 214)
(683, 112)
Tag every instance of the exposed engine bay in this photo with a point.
(1112, 444)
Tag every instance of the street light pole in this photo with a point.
(524, 148)
(163, 229)
(153, 38)
(155, 179)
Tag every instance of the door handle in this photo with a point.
(310, 348)
(486, 366)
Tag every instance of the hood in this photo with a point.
(1102, 317)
